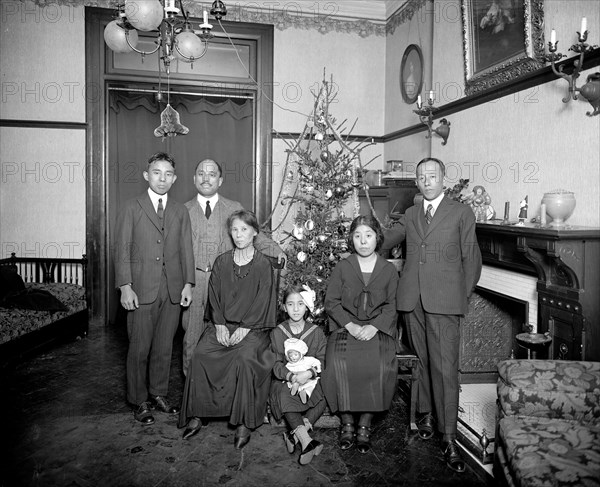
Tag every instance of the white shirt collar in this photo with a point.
(435, 203)
(213, 200)
(154, 197)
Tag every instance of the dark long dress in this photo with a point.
(360, 376)
(280, 399)
(234, 381)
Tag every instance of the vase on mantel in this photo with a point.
(560, 205)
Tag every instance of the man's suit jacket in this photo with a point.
(211, 237)
(142, 247)
(443, 260)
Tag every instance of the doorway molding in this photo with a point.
(97, 82)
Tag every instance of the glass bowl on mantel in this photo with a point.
(560, 205)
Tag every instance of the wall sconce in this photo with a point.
(425, 114)
(591, 90)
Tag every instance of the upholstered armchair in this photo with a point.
(548, 425)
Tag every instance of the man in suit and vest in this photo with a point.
(443, 265)
(154, 266)
(208, 214)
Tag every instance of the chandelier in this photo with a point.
(176, 37)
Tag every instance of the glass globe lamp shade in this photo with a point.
(188, 45)
(115, 37)
(145, 15)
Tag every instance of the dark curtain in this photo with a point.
(220, 129)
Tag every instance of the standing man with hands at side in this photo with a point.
(209, 212)
(154, 267)
(443, 265)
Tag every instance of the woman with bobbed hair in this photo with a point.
(361, 372)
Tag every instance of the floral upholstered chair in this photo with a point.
(548, 428)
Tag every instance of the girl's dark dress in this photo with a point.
(360, 376)
(234, 381)
(280, 399)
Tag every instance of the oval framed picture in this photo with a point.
(411, 74)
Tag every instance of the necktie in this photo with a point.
(161, 209)
(208, 211)
(429, 214)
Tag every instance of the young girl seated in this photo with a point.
(299, 416)
(295, 351)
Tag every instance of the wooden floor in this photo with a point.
(66, 423)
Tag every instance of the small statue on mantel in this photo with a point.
(523, 205)
(480, 202)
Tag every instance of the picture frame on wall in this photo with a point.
(411, 74)
(502, 40)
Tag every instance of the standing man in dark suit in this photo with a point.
(443, 265)
(154, 266)
(209, 212)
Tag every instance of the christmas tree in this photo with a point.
(318, 198)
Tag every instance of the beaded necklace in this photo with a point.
(249, 264)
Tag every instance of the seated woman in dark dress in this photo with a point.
(361, 367)
(230, 370)
(300, 416)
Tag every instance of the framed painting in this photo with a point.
(502, 40)
(411, 74)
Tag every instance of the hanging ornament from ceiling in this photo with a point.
(170, 125)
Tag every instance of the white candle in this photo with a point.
(583, 25)
(553, 37)
(170, 5)
(431, 96)
(419, 103)
(543, 215)
(205, 17)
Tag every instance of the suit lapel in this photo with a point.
(146, 204)
(418, 219)
(440, 214)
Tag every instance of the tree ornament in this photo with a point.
(325, 156)
(319, 311)
(331, 257)
(322, 238)
(319, 136)
(298, 232)
(339, 191)
(341, 229)
(309, 225)
(309, 189)
(320, 268)
(312, 245)
(301, 256)
(328, 194)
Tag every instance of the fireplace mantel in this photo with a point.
(566, 263)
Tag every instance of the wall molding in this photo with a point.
(43, 124)
(363, 18)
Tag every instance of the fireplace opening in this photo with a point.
(488, 334)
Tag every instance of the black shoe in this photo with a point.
(425, 426)
(290, 444)
(347, 436)
(242, 437)
(194, 425)
(313, 449)
(161, 403)
(452, 456)
(363, 439)
(143, 414)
